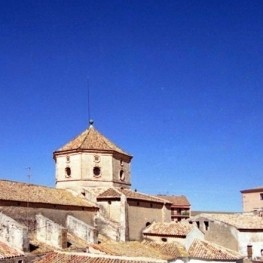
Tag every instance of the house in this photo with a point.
(239, 232)
(133, 210)
(252, 199)
(181, 207)
(181, 232)
(21, 211)
(204, 251)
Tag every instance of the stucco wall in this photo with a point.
(255, 239)
(13, 233)
(139, 214)
(220, 233)
(82, 230)
(252, 201)
(51, 233)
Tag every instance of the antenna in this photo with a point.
(89, 112)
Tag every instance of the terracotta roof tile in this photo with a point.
(169, 229)
(240, 221)
(173, 249)
(206, 250)
(9, 252)
(58, 257)
(91, 139)
(130, 249)
(178, 200)
(16, 191)
(112, 193)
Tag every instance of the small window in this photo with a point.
(147, 224)
(122, 175)
(68, 159)
(138, 203)
(68, 171)
(261, 196)
(109, 202)
(96, 171)
(164, 239)
(206, 225)
(198, 224)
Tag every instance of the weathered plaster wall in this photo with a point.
(26, 215)
(139, 214)
(252, 201)
(219, 233)
(13, 233)
(82, 230)
(255, 239)
(51, 233)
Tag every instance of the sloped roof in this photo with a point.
(16, 191)
(206, 250)
(176, 200)
(169, 229)
(91, 139)
(239, 221)
(7, 251)
(132, 249)
(173, 249)
(58, 257)
(113, 193)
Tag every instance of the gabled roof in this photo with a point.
(239, 221)
(209, 251)
(176, 200)
(113, 193)
(91, 140)
(22, 192)
(57, 257)
(175, 229)
(7, 251)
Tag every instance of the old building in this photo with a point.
(94, 167)
(171, 232)
(181, 207)
(252, 199)
(239, 232)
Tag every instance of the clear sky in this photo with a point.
(178, 84)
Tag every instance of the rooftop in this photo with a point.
(9, 252)
(169, 229)
(240, 221)
(253, 190)
(56, 257)
(113, 193)
(91, 139)
(206, 250)
(177, 200)
(22, 192)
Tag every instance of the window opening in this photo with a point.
(96, 171)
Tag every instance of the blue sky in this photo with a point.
(178, 84)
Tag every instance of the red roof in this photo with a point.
(113, 193)
(91, 140)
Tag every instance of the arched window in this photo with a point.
(68, 171)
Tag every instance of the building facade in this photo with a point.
(252, 199)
